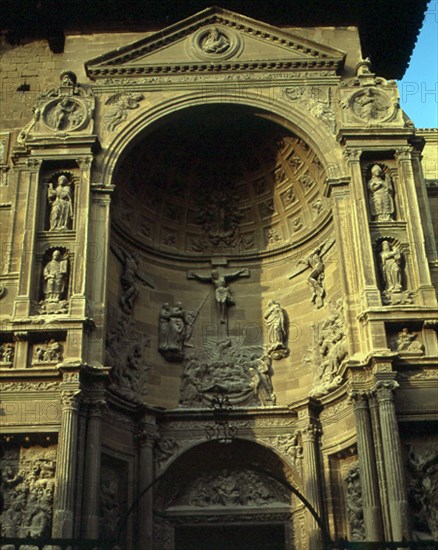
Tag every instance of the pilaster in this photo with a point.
(367, 465)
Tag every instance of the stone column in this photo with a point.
(394, 470)
(380, 466)
(312, 482)
(367, 466)
(146, 437)
(66, 472)
(91, 509)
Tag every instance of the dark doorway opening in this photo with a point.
(230, 537)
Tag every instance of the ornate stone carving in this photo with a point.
(60, 201)
(28, 481)
(423, 491)
(222, 292)
(391, 261)
(329, 351)
(232, 488)
(119, 106)
(317, 100)
(241, 372)
(63, 110)
(215, 42)
(128, 279)
(316, 277)
(19, 387)
(407, 343)
(49, 352)
(354, 504)
(55, 282)
(109, 506)
(7, 353)
(277, 324)
(125, 353)
(165, 449)
(219, 216)
(381, 191)
(175, 330)
(290, 446)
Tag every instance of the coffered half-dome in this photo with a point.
(220, 179)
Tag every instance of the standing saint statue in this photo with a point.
(390, 260)
(381, 195)
(275, 319)
(55, 277)
(222, 292)
(61, 210)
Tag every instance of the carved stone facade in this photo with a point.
(216, 286)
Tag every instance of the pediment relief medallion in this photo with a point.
(60, 111)
(370, 99)
(215, 40)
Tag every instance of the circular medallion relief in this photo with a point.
(215, 43)
(372, 105)
(65, 114)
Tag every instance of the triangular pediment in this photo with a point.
(216, 39)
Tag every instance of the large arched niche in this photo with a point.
(241, 482)
(226, 187)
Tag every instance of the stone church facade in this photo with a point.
(216, 291)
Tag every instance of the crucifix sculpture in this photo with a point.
(222, 292)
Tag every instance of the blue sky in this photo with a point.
(419, 86)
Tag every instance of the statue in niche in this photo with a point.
(381, 193)
(390, 261)
(354, 504)
(7, 352)
(66, 113)
(61, 210)
(261, 381)
(275, 318)
(407, 342)
(128, 279)
(423, 491)
(222, 292)
(315, 279)
(215, 42)
(55, 275)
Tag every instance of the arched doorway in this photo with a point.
(232, 495)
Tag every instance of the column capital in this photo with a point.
(384, 390)
(84, 163)
(311, 432)
(146, 435)
(70, 400)
(359, 399)
(404, 153)
(352, 154)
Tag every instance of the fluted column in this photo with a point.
(92, 470)
(397, 495)
(63, 508)
(146, 437)
(312, 481)
(367, 466)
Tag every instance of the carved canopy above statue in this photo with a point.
(220, 179)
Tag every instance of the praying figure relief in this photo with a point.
(381, 194)
(61, 209)
(222, 292)
(276, 322)
(175, 331)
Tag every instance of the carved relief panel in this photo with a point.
(28, 482)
